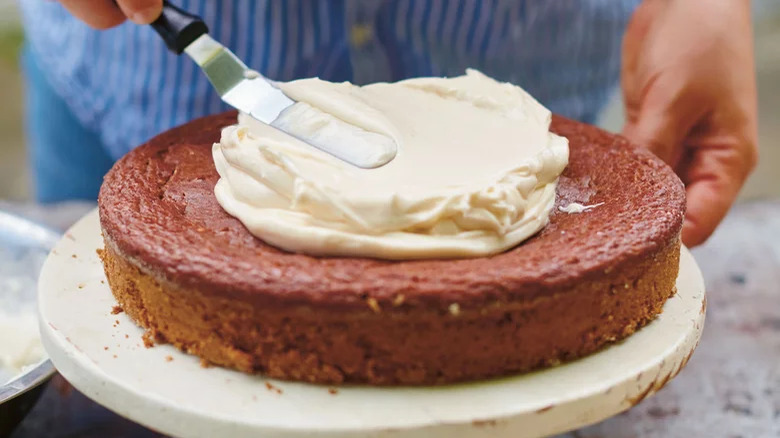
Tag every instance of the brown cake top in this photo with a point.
(158, 208)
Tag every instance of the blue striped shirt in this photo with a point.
(126, 86)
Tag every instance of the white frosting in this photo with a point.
(475, 172)
(20, 344)
(575, 207)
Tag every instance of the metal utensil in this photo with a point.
(251, 93)
(20, 238)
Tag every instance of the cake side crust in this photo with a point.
(399, 345)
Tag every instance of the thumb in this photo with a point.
(718, 167)
(708, 201)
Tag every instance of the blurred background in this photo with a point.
(765, 182)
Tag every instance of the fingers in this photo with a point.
(714, 176)
(663, 115)
(141, 11)
(720, 150)
(707, 205)
(104, 14)
(100, 14)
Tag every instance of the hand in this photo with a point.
(688, 80)
(103, 14)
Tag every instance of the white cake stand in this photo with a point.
(103, 356)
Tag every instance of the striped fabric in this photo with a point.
(126, 86)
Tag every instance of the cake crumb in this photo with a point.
(74, 256)
(127, 336)
(454, 309)
(399, 299)
(333, 391)
(169, 358)
(105, 348)
(148, 341)
(116, 310)
(374, 305)
(544, 409)
(115, 356)
(273, 388)
(116, 322)
(484, 423)
(82, 285)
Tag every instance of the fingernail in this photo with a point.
(145, 16)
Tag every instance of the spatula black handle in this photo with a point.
(178, 28)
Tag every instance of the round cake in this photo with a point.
(193, 276)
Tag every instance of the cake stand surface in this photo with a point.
(103, 355)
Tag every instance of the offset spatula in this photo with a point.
(251, 93)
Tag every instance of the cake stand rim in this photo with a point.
(157, 412)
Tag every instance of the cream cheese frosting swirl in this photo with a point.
(475, 173)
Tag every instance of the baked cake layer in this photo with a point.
(194, 276)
